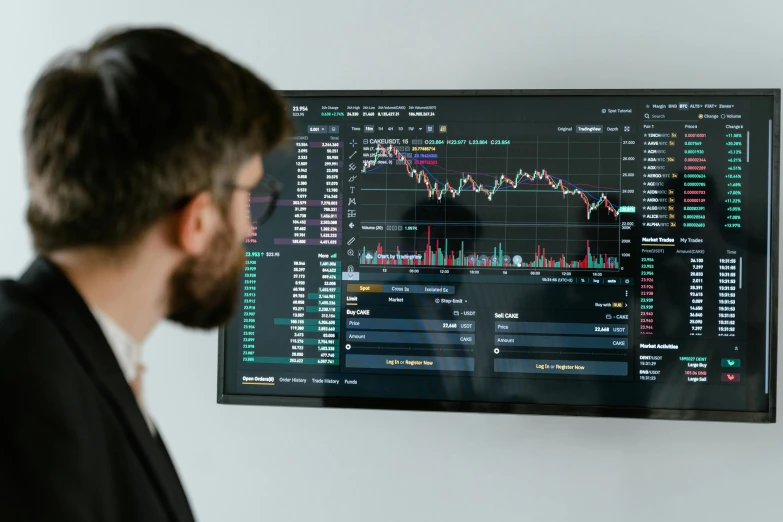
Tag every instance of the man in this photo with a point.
(141, 152)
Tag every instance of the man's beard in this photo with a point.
(204, 290)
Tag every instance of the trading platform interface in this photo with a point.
(564, 250)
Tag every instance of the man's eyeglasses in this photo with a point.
(263, 198)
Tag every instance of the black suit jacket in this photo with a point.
(74, 445)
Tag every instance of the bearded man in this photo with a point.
(142, 151)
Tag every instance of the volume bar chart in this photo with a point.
(437, 256)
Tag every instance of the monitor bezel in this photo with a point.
(550, 409)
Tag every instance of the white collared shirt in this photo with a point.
(128, 354)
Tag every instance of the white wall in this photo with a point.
(253, 463)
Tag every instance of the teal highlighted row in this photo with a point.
(304, 322)
(327, 343)
(291, 360)
(324, 297)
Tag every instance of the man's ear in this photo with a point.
(194, 225)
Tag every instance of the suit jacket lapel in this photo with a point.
(58, 297)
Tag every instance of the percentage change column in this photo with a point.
(734, 174)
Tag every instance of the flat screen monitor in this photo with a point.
(604, 253)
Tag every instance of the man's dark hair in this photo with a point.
(118, 134)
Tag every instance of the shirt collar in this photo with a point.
(128, 355)
(126, 350)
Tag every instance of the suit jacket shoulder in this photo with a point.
(43, 445)
(73, 434)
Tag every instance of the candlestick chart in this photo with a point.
(528, 204)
